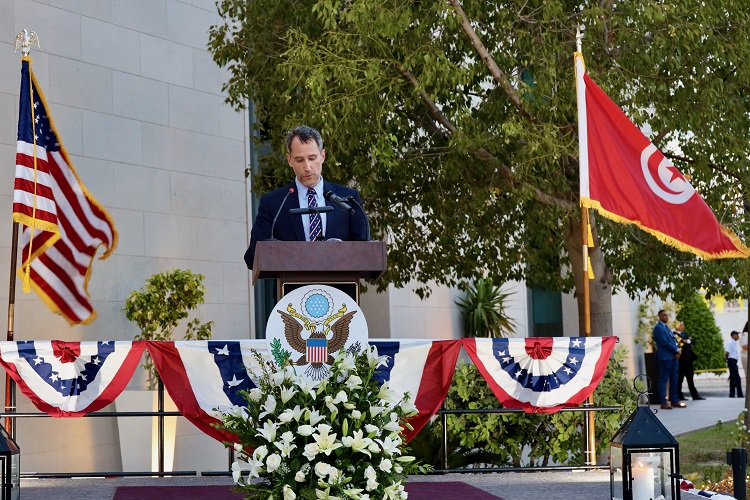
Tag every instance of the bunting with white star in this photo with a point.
(71, 379)
(206, 377)
(541, 375)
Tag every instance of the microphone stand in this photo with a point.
(364, 214)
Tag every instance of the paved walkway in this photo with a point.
(591, 485)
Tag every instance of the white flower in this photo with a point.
(390, 446)
(314, 416)
(330, 403)
(348, 363)
(237, 467)
(299, 476)
(353, 382)
(357, 442)
(305, 430)
(356, 414)
(322, 469)
(306, 385)
(325, 494)
(326, 441)
(287, 393)
(269, 406)
(371, 477)
(372, 430)
(334, 475)
(408, 406)
(392, 427)
(377, 410)
(285, 447)
(268, 431)
(289, 494)
(286, 416)
(370, 473)
(385, 465)
(311, 449)
(255, 394)
(273, 462)
(373, 360)
(260, 453)
(389, 395)
(278, 378)
(238, 447)
(394, 491)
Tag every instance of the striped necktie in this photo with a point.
(316, 227)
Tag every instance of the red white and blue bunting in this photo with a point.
(70, 379)
(541, 374)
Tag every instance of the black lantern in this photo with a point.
(644, 459)
(10, 467)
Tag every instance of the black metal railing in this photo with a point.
(160, 414)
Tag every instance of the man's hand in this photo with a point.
(677, 355)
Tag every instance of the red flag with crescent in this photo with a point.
(627, 179)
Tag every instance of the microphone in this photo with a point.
(310, 210)
(273, 224)
(339, 202)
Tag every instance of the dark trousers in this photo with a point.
(735, 382)
(686, 372)
(669, 372)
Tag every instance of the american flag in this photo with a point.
(64, 224)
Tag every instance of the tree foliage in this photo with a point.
(700, 324)
(458, 122)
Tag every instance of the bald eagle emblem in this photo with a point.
(328, 332)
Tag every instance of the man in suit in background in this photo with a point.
(668, 356)
(305, 154)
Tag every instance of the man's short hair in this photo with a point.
(305, 134)
(661, 311)
(734, 332)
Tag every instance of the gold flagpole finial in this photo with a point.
(24, 40)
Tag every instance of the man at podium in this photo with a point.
(346, 222)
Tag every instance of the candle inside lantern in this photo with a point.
(643, 483)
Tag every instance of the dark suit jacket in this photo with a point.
(666, 344)
(339, 224)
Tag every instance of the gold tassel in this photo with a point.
(590, 269)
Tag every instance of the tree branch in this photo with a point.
(480, 152)
(489, 61)
(712, 166)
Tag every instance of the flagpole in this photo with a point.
(10, 386)
(589, 421)
(24, 40)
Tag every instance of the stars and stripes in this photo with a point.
(64, 224)
(423, 368)
(541, 374)
(207, 377)
(71, 379)
(317, 350)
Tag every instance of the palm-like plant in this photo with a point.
(483, 310)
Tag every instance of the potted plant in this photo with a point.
(166, 299)
(157, 309)
(483, 310)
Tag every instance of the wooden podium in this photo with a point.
(323, 262)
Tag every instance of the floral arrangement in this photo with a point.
(337, 438)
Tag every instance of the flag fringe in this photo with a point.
(741, 252)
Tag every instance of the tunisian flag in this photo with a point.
(626, 179)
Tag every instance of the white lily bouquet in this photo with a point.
(337, 438)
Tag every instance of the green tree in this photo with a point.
(159, 307)
(458, 124)
(701, 325)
